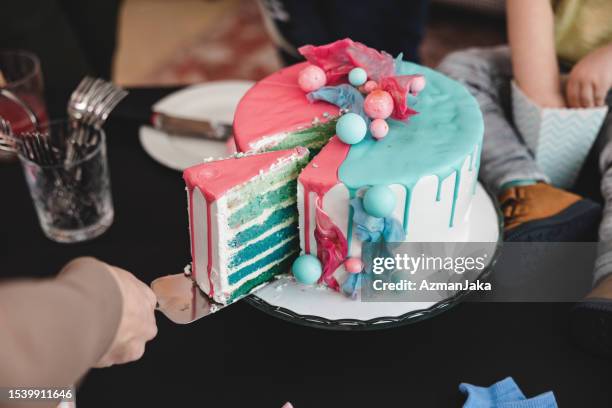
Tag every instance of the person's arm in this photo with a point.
(590, 79)
(532, 44)
(52, 331)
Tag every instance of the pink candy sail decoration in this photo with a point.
(399, 87)
(338, 58)
(332, 246)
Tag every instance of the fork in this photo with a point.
(36, 147)
(7, 140)
(93, 100)
(89, 106)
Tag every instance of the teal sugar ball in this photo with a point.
(307, 269)
(379, 201)
(357, 76)
(351, 128)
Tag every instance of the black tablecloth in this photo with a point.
(243, 357)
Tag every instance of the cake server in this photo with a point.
(180, 299)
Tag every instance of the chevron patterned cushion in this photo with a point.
(560, 139)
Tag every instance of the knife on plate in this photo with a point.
(138, 107)
(202, 129)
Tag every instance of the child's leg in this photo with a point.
(487, 73)
(603, 265)
(532, 211)
(591, 319)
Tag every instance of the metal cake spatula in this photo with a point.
(180, 299)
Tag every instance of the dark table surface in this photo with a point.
(243, 357)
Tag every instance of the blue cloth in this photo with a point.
(372, 229)
(352, 285)
(344, 96)
(504, 394)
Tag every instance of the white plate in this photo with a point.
(210, 101)
(321, 307)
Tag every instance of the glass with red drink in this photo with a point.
(21, 91)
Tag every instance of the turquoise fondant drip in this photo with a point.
(279, 253)
(439, 189)
(477, 167)
(351, 212)
(277, 217)
(251, 251)
(407, 209)
(455, 195)
(436, 141)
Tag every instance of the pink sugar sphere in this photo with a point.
(417, 85)
(311, 78)
(353, 265)
(378, 104)
(370, 86)
(379, 128)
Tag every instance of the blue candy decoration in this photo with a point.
(373, 229)
(379, 201)
(351, 128)
(351, 286)
(307, 269)
(398, 63)
(343, 96)
(357, 76)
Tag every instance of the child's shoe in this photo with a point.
(541, 212)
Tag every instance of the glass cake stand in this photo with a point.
(326, 309)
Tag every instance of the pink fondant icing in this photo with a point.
(216, 177)
(257, 118)
(319, 176)
(192, 234)
(332, 246)
(209, 248)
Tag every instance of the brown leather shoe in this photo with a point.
(522, 204)
(543, 213)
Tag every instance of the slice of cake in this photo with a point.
(243, 220)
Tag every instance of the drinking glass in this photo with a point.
(21, 92)
(72, 196)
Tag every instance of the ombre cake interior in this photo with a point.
(243, 220)
(395, 152)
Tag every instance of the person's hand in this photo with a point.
(137, 325)
(590, 79)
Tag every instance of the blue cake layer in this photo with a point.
(277, 217)
(262, 245)
(281, 252)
